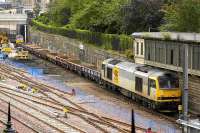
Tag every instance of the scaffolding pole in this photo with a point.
(25, 33)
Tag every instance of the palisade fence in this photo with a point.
(120, 43)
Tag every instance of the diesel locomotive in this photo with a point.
(155, 88)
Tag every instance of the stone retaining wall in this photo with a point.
(72, 48)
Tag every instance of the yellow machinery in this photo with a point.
(4, 43)
(6, 50)
(23, 87)
(21, 54)
(19, 39)
(3, 38)
(35, 90)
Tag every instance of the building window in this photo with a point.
(138, 84)
(137, 48)
(148, 52)
(142, 48)
(196, 59)
(172, 57)
(180, 56)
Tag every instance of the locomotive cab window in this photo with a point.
(103, 68)
(109, 73)
(138, 84)
(152, 83)
(168, 82)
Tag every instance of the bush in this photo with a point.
(120, 43)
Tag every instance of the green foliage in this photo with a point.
(94, 15)
(182, 16)
(141, 15)
(100, 16)
(36, 9)
(43, 18)
(166, 36)
(119, 43)
(129, 54)
(124, 16)
(59, 12)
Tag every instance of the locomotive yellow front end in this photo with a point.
(168, 93)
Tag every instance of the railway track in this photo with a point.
(171, 117)
(57, 125)
(74, 108)
(3, 121)
(20, 77)
(17, 77)
(87, 117)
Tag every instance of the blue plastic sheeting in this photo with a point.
(3, 56)
(35, 71)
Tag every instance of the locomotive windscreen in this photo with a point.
(168, 81)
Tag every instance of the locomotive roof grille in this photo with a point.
(144, 69)
(114, 62)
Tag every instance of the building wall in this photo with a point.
(169, 55)
(194, 93)
(5, 5)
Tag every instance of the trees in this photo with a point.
(141, 15)
(107, 16)
(183, 16)
(36, 9)
(119, 16)
(100, 16)
(59, 12)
